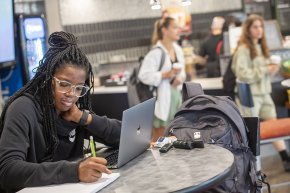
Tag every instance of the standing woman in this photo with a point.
(251, 65)
(43, 125)
(167, 80)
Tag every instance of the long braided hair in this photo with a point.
(63, 51)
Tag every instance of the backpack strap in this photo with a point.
(257, 179)
(218, 48)
(161, 61)
(221, 104)
(262, 179)
(154, 88)
(162, 57)
(191, 89)
(141, 58)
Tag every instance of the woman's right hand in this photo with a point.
(91, 169)
(177, 81)
(170, 74)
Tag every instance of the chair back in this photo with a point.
(253, 125)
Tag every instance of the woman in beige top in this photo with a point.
(251, 65)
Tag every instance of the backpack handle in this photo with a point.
(198, 106)
(191, 89)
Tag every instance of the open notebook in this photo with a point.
(75, 187)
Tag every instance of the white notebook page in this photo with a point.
(74, 187)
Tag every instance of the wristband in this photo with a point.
(84, 118)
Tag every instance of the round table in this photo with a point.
(177, 170)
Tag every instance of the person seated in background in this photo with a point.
(211, 47)
(44, 124)
(251, 65)
(171, 75)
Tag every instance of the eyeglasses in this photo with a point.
(65, 86)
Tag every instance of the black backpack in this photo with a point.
(229, 81)
(137, 90)
(219, 122)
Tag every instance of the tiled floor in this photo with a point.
(276, 176)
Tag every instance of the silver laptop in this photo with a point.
(136, 132)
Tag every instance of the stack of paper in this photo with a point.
(75, 187)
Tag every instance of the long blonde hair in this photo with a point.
(247, 40)
(157, 32)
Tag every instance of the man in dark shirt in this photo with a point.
(211, 47)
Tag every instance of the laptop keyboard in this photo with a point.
(112, 158)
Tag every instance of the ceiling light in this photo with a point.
(185, 2)
(155, 4)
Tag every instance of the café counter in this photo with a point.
(112, 101)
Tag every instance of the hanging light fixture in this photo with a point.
(185, 2)
(155, 4)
